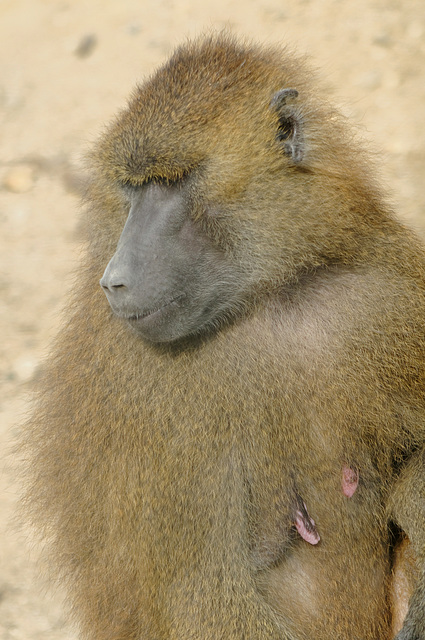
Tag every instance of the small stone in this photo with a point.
(19, 179)
(86, 46)
(24, 368)
(133, 28)
(383, 40)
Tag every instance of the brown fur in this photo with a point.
(164, 475)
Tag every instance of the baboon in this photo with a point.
(225, 443)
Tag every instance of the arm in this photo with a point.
(407, 509)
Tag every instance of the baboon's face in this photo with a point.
(167, 279)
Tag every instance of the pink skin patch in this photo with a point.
(350, 481)
(306, 526)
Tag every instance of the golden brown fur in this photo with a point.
(165, 474)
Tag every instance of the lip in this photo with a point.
(152, 316)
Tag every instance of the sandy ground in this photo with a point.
(65, 68)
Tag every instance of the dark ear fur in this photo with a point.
(289, 133)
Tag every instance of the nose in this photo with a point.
(111, 284)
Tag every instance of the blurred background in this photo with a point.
(66, 67)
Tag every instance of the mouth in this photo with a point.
(143, 319)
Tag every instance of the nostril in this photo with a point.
(111, 286)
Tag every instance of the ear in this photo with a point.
(289, 133)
